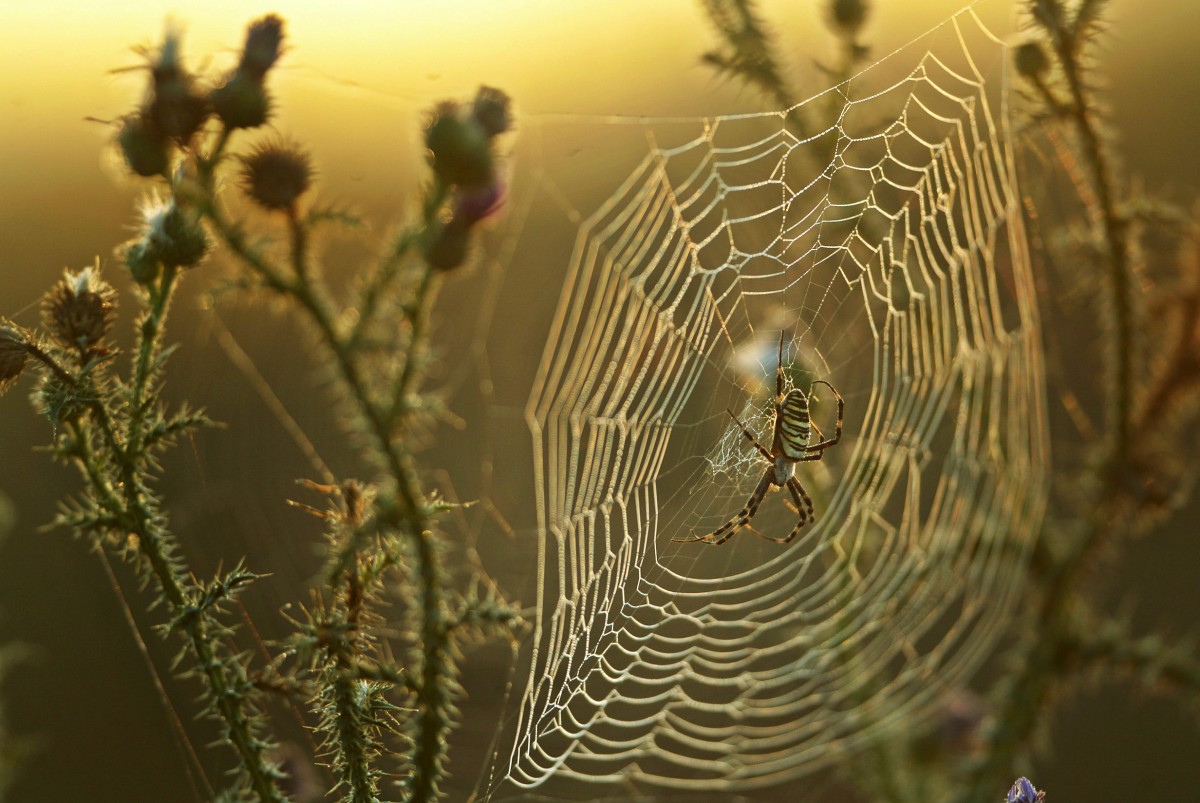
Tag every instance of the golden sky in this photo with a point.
(358, 73)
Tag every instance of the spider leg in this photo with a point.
(803, 506)
(750, 437)
(743, 517)
(823, 444)
(779, 370)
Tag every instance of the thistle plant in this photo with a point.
(374, 688)
(1131, 471)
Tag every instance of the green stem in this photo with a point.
(434, 691)
(1025, 694)
(154, 544)
(1115, 233)
(372, 293)
(352, 725)
(419, 320)
(148, 347)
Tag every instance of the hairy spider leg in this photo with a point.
(743, 517)
(822, 445)
(748, 435)
(779, 370)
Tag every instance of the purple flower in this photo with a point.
(1024, 792)
(474, 205)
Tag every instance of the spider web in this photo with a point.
(889, 250)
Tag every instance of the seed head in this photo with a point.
(78, 310)
(146, 150)
(263, 40)
(14, 353)
(459, 147)
(276, 174)
(492, 110)
(242, 101)
(1031, 60)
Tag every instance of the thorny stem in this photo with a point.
(227, 699)
(358, 773)
(1025, 693)
(373, 290)
(139, 520)
(418, 318)
(433, 692)
(1115, 231)
(147, 350)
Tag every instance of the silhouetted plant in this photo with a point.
(113, 424)
(1137, 468)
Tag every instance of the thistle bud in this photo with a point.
(492, 110)
(78, 310)
(263, 40)
(176, 109)
(241, 102)
(445, 244)
(146, 150)
(849, 16)
(474, 205)
(143, 265)
(174, 236)
(14, 353)
(276, 175)
(1023, 791)
(459, 147)
(1031, 61)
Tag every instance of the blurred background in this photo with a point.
(352, 88)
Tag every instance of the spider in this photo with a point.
(789, 446)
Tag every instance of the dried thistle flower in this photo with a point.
(276, 174)
(174, 236)
(146, 150)
(78, 310)
(14, 352)
(263, 40)
(459, 147)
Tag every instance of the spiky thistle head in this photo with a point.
(848, 16)
(1031, 60)
(172, 235)
(459, 146)
(264, 41)
(147, 152)
(241, 101)
(276, 174)
(78, 310)
(176, 108)
(14, 352)
(492, 109)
